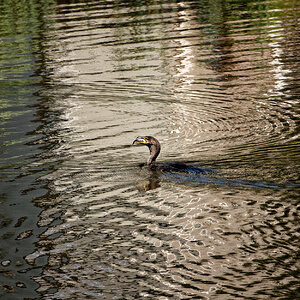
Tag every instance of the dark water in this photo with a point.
(217, 82)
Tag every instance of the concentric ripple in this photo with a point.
(217, 84)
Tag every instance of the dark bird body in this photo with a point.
(154, 147)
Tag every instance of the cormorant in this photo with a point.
(154, 147)
(193, 172)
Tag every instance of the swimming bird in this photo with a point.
(154, 147)
(182, 172)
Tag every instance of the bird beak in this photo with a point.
(140, 140)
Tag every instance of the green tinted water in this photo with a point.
(216, 82)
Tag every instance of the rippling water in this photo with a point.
(217, 82)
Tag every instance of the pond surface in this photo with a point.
(216, 82)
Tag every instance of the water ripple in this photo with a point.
(217, 85)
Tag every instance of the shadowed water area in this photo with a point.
(216, 82)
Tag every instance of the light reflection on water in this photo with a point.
(216, 83)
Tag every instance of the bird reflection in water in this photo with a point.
(152, 183)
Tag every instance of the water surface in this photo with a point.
(217, 82)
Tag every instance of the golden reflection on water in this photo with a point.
(216, 89)
(121, 222)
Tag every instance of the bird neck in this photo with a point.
(154, 152)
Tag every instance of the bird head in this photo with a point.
(153, 145)
(144, 140)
